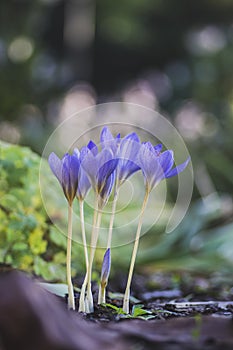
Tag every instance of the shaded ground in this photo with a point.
(163, 296)
(31, 318)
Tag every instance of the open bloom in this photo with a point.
(127, 155)
(156, 165)
(99, 168)
(67, 171)
(125, 150)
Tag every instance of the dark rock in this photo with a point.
(33, 319)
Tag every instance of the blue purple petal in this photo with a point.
(92, 147)
(104, 172)
(158, 148)
(105, 136)
(55, 164)
(149, 164)
(106, 266)
(128, 157)
(108, 141)
(166, 160)
(175, 171)
(106, 190)
(70, 173)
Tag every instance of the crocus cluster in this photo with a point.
(104, 169)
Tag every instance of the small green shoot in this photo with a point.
(119, 310)
(137, 312)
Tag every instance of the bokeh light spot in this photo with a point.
(207, 40)
(20, 49)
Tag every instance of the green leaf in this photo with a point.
(118, 310)
(139, 311)
(59, 289)
(20, 246)
(36, 242)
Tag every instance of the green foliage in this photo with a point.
(137, 312)
(28, 241)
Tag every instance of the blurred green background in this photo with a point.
(58, 57)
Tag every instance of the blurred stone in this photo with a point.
(33, 319)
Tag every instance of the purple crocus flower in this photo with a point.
(156, 165)
(125, 150)
(127, 157)
(99, 168)
(66, 171)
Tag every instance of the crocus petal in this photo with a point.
(83, 152)
(92, 147)
(105, 136)
(55, 164)
(148, 161)
(74, 170)
(105, 177)
(106, 190)
(128, 157)
(83, 181)
(99, 168)
(126, 170)
(133, 136)
(104, 156)
(104, 172)
(83, 185)
(108, 141)
(106, 266)
(166, 160)
(65, 173)
(177, 169)
(76, 153)
(90, 165)
(70, 173)
(158, 148)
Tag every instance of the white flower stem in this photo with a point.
(94, 239)
(103, 285)
(101, 295)
(82, 307)
(71, 303)
(83, 289)
(134, 254)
